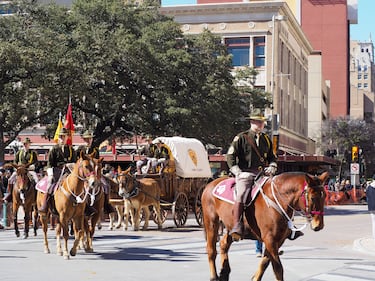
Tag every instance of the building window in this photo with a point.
(259, 54)
(239, 48)
(359, 68)
(359, 85)
(365, 68)
(359, 76)
(365, 76)
(365, 85)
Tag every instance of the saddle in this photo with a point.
(225, 190)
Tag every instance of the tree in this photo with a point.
(126, 69)
(342, 134)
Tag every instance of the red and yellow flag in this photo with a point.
(69, 125)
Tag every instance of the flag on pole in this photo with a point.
(114, 146)
(59, 126)
(69, 124)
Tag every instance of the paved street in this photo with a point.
(179, 254)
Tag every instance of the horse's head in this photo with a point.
(127, 182)
(22, 179)
(314, 199)
(88, 169)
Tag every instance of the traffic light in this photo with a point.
(355, 153)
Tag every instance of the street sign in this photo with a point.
(354, 168)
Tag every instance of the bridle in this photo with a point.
(125, 183)
(304, 212)
(85, 177)
(23, 178)
(305, 200)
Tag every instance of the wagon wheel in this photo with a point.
(180, 209)
(163, 214)
(198, 206)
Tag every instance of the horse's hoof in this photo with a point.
(25, 236)
(66, 257)
(72, 253)
(47, 251)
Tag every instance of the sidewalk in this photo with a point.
(366, 244)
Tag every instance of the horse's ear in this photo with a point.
(81, 154)
(323, 177)
(128, 170)
(100, 159)
(309, 178)
(119, 170)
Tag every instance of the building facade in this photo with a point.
(362, 80)
(326, 24)
(265, 35)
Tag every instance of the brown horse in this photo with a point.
(96, 199)
(266, 219)
(70, 202)
(140, 194)
(24, 194)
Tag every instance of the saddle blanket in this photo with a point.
(42, 185)
(225, 190)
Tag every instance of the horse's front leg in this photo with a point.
(15, 218)
(263, 264)
(271, 255)
(79, 233)
(27, 223)
(59, 250)
(146, 213)
(136, 218)
(35, 220)
(225, 243)
(157, 210)
(43, 220)
(211, 230)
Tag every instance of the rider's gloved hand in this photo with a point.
(271, 169)
(235, 170)
(31, 167)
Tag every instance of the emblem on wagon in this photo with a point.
(193, 156)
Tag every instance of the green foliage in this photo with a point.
(342, 134)
(126, 69)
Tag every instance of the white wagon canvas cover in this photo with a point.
(190, 156)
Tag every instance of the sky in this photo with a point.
(366, 22)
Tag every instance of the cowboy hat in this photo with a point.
(148, 137)
(27, 140)
(88, 134)
(257, 114)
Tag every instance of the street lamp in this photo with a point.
(275, 104)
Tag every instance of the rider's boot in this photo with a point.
(9, 197)
(108, 208)
(293, 235)
(44, 207)
(90, 211)
(237, 230)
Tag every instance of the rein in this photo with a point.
(78, 198)
(277, 206)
